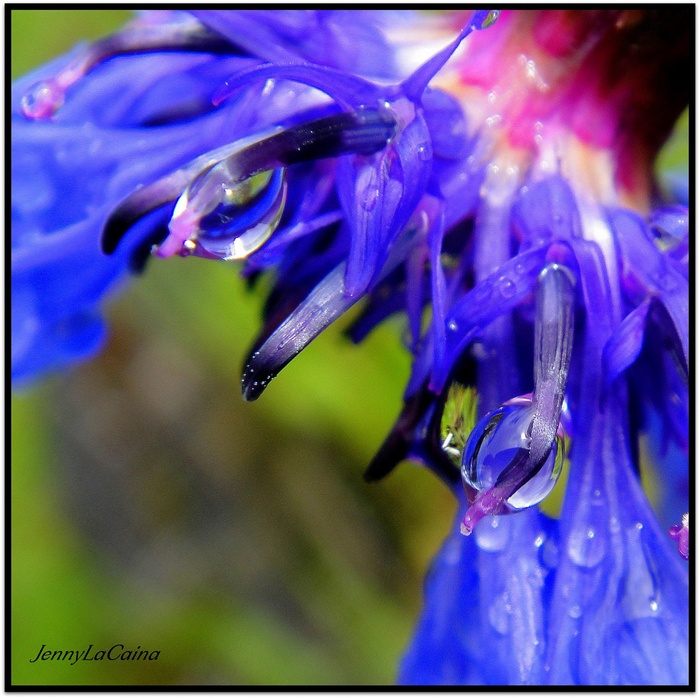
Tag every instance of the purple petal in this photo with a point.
(624, 346)
(348, 90)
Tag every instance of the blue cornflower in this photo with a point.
(505, 184)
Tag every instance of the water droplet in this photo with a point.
(586, 548)
(42, 100)
(495, 442)
(506, 287)
(669, 227)
(597, 499)
(492, 534)
(549, 555)
(452, 326)
(654, 605)
(575, 611)
(226, 219)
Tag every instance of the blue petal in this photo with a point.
(485, 615)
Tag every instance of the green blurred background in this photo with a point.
(151, 506)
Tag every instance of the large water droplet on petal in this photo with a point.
(496, 441)
(217, 219)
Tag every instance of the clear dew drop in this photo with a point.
(495, 442)
(506, 287)
(669, 227)
(586, 548)
(231, 221)
(493, 534)
(575, 611)
(42, 100)
(424, 152)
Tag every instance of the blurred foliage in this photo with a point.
(152, 507)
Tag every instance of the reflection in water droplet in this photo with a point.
(586, 548)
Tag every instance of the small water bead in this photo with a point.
(493, 535)
(669, 226)
(495, 442)
(575, 611)
(483, 19)
(586, 548)
(42, 100)
(549, 555)
(424, 152)
(507, 287)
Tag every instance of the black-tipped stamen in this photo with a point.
(365, 131)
